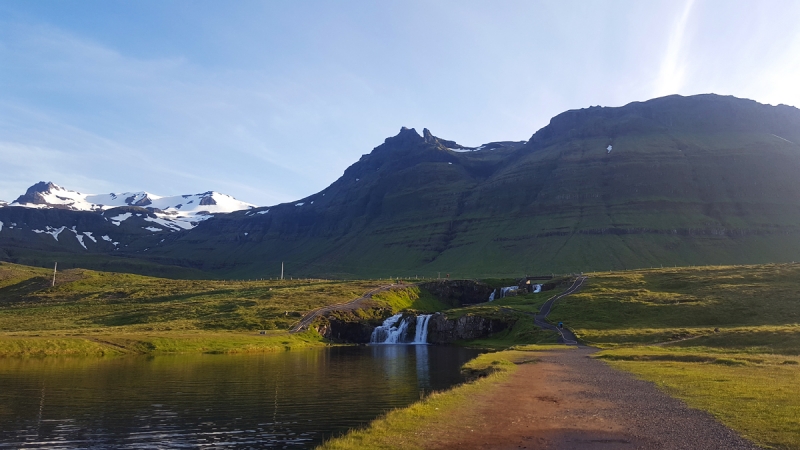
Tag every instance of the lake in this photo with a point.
(292, 399)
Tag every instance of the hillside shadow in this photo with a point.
(19, 291)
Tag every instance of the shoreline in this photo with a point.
(545, 398)
(102, 344)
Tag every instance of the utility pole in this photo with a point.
(54, 273)
(281, 270)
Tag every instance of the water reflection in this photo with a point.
(286, 400)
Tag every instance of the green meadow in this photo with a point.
(724, 339)
(89, 313)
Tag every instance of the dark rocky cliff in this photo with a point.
(357, 328)
(442, 330)
(459, 292)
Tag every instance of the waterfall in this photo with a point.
(421, 336)
(391, 332)
(395, 329)
(504, 291)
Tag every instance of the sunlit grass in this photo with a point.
(92, 313)
(754, 394)
(724, 339)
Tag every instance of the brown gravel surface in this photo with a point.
(568, 400)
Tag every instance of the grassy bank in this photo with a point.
(413, 425)
(98, 343)
(755, 394)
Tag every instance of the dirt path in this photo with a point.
(570, 401)
(309, 317)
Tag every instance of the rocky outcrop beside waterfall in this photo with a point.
(340, 331)
(442, 330)
(459, 292)
(351, 326)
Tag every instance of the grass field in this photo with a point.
(724, 339)
(101, 313)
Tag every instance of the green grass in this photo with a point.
(662, 305)
(92, 313)
(523, 332)
(753, 394)
(84, 299)
(115, 343)
(412, 298)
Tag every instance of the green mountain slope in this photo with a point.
(689, 180)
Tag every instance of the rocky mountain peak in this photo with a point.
(406, 136)
(34, 193)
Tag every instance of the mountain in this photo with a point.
(178, 212)
(676, 180)
(50, 222)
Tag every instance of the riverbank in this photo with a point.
(545, 398)
(103, 343)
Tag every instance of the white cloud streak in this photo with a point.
(672, 74)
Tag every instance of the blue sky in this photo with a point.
(270, 101)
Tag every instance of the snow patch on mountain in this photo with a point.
(51, 231)
(465, 149)
(116, 220)
(79, 237)
(170, 224)
(184, 211)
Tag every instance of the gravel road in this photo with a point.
(568, 400)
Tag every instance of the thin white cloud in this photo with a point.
(672, 74)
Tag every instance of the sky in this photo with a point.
(270, 101)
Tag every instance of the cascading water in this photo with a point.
(421, 336)
(390, 332)
(536, 288)
(504, 291)
(395, 328)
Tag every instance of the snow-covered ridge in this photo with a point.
(489, 146)
(180, 211)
